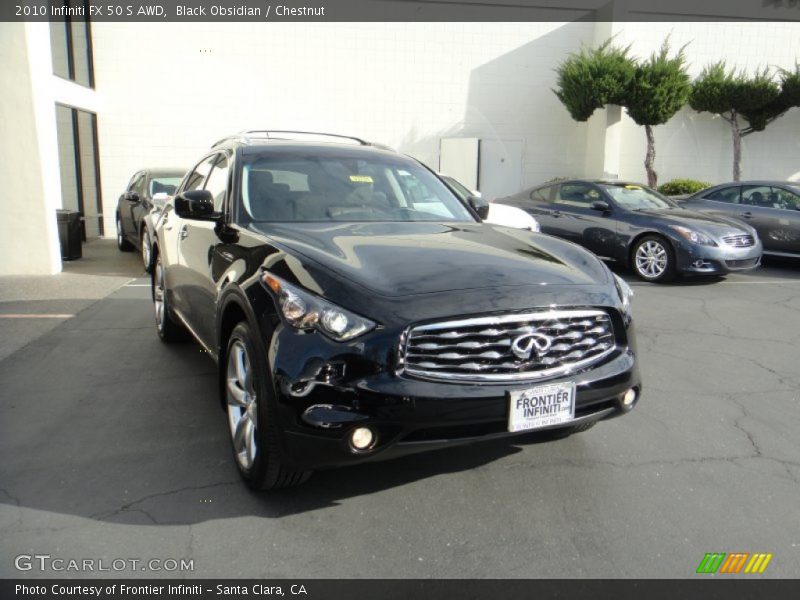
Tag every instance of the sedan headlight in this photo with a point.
(694, 236)
(625, 295)
(306, 311)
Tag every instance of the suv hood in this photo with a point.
(405, 259)
(712, 225)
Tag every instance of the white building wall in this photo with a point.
(29, 242)
(167, 91)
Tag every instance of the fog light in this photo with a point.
(629, 397)
(362, 438)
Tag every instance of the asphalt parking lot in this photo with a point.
(112, 445)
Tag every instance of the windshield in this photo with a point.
(327, 188)
(636, 197)
(164, 185)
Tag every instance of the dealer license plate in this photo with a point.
(541, 406)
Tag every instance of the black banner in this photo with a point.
(196, 11)
(732, 588)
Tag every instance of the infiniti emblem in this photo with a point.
(526, 345)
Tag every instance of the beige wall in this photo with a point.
(27, 244)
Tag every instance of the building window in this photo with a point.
(80, 166)
(71, 45)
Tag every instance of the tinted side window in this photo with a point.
(729, 194)
(217, 182)
(542, 194)
(199, 174)
(135, 180)
(786, 199)
(757, 195)
(577, 194)
(139, 186)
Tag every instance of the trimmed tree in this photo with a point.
(659, 89)
(591, 79)
(652, 91)
(747, 103)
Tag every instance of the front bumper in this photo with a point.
(321, 401)
(716, 260)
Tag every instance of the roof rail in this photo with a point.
(277, 133)
(236, 136)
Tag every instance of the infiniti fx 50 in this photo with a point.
(359, 310)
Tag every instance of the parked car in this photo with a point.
(640, 228)
(353, 321)
(146, 193)
(771, 207)
(499, 214)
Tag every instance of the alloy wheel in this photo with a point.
(146, 250)
(158, 294)
(651, 259)
(242, 404)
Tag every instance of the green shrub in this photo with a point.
(682, 186)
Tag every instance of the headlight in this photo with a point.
(304, 310)
(694, 236)
(625, 295)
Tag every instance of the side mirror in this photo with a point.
(132, 197)
(479, 205)
(195, 204)
(600, 206)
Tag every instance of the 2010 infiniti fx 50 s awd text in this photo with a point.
(358, 310)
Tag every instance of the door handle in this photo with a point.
(747, 215)
(555, 213)
(184, 232)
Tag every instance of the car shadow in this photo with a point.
(101, 420)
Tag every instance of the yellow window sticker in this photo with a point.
(360, 178)
(633, 187)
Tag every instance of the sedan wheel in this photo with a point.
(158, 295)
(123, 244)
(653, 259)
(146, 251)
(242, 405)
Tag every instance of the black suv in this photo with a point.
(359, 310)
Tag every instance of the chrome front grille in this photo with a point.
(739, 241)
(495, 348)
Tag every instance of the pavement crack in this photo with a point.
(132, 506)
(7, 494)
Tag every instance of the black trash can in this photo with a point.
(69, 233)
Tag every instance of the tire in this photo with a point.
(249, 407)
(147, 251)
(169, 330)
(653, 259)
(123, 244)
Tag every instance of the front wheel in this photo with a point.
(654, 259)
(251, 418)
(147, 251)
(123, 244)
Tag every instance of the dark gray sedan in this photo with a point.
(771, 207)
(638, 227)
(146, 194)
